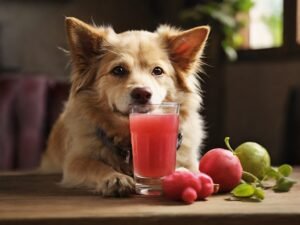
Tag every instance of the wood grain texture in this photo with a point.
(38, 199)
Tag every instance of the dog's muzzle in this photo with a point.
(141, 95)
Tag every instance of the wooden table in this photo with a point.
(38, 199)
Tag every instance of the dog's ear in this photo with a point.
(84, 41)
(86, 49)
(185, 47)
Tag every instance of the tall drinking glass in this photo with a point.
(154, 131)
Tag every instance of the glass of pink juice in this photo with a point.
(154, 131)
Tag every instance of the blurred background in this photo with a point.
(252, 62)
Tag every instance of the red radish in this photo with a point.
(223, 167)
(207, 186)
(189, 195)
(174, 184)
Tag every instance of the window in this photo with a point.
(265, 28)
(272, 30)
(266, 23)
(260, 29)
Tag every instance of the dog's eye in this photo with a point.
(119, 71)
(157, 71)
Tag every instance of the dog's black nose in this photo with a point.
(141, 95)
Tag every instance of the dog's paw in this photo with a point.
(117, 185)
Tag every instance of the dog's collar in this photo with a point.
(124, 152)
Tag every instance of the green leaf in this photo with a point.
(224, 18)
(243, 6)
(237, 40)
(259, 193)
(284, 184)
(243, 190)
(206, 9)
(272, 172)
(285, 170)
(230, 52)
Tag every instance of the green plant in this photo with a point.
(252, 186)
(222, 16)
(274, 24)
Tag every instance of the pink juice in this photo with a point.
(154, 138)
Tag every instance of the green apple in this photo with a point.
(254, 158)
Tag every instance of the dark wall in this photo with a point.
(257, 98)
(32, 31)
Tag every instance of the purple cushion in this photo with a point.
(29, 105)
(8, 89)
(30, 110)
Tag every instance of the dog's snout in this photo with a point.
(141, 95)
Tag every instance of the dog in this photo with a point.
(111, 71)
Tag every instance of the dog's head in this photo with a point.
(135, 66)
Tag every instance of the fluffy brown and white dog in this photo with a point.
(110, 71)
